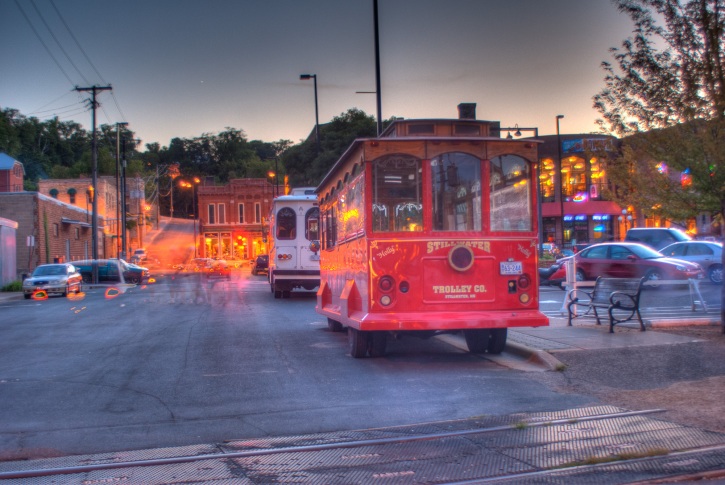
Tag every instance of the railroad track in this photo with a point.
(599, 444)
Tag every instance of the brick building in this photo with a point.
(233, 219)
(77, 192)
(12, 174)
(48, 230)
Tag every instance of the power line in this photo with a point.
(53, 110)
(32, 2)
(43, 42)
(77, 43)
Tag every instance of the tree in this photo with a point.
(306, 167)
(667, 98)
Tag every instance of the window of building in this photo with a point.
(211, 213)
(78, 232)
(55, 228)
(257, 213)
(456, 180)
(222, 215)
(72, 195)
(54, 193)
(241, 213)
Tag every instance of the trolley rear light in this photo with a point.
(524, 281)
(284, 257)
(386, 284)
(404, 287)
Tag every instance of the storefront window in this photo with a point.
(547, 180)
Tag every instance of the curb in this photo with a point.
(690, 322)
(534, 356)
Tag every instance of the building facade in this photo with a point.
(48, 230)
(12, 174)
(79, 192)
(233, 219)
(573, 207)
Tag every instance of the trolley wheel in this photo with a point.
(497, 342)
(334, 325)
(357, 342)
(377, 344)
(277, 294)
(477, 340)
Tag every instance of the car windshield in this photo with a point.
(645, 252)
(49, 271)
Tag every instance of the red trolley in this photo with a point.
(430, 228)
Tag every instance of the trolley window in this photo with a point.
(312, 224)
(456, 180)
(286, 223)
(397, 194)
(510, 194)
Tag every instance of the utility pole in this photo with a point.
(119, 228)
(94, 157)
(123, 202)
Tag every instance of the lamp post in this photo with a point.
(561, 178)
(194, 203)
(304, 77)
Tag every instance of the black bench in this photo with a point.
(620, 296)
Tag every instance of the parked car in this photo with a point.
(218, 268)
(111, 271)
(705, 253)
(199, 264)
(632, 260)
(261, 264)
(60, 278)
(656, 237)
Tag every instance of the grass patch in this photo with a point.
(597, 460)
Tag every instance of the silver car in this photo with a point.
(705, 253)
(60, 278)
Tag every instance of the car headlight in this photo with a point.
(680, 268)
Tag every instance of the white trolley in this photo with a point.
(294, 242)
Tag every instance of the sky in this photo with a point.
(183, 68)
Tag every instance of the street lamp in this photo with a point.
(304, 77)
(195, 204)
(561, 178)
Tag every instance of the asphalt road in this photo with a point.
(176, 363)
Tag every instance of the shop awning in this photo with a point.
(66, 220)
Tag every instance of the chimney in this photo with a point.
(467, 111)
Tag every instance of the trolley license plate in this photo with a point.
(511, 267)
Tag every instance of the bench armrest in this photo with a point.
(617, 297)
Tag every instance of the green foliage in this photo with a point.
(306, 167)
(666, 96)
(14, 286)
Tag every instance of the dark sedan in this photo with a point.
(632, 260)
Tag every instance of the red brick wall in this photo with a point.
(38, 216)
